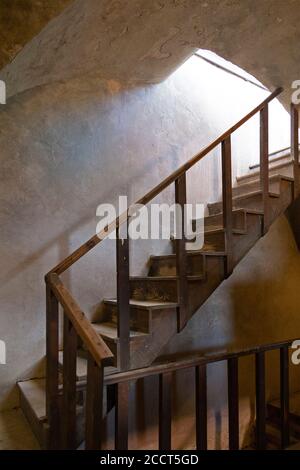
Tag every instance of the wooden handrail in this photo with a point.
(185, 363)
(94, 343)
(197, 365)
(97, 238)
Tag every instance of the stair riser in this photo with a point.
(164, 326)
(152, 289)
(136, 348)
(36, 424)
(216, 220)
(273, 413)
(159, 289)
(167, 266)
(144, 349)
(243, 243)
(285, 169)
(140, 318)
(254, 186)
(212, 242)
(252, 202)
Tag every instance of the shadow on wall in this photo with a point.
(258, 304)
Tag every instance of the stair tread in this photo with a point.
(294, 404)
(110, 331)
(217, 229)
(34, 392)
(274, 157)
(81, 366)
(277, 166)
(209, 219)
(145, 304)
(246, 196)
(191, 253)
(166, 278)
(273, 434)
(294, 446)
(275, 177)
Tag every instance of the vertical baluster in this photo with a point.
(264, 166)
(284, 397)
(52, 347)
(94, 405)
(121, 416)
(295, 148)
(165, 409)
(181, 258)
(227, 204)
(69, 385)
(201, 407)
(233, 403)
(260, 401)
(123, 296)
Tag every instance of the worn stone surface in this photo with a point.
(21, 20)
(15, 432)
(138, 40)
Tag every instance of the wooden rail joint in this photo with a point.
(84, 329)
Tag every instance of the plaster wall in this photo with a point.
(142, 41)
(67, 147)
(21, 20)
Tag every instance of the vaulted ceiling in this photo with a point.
(143, 41)
(21, 20)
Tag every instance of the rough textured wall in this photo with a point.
(138, 40)
(65, 149)
(21, 20)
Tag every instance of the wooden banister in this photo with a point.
(197, 360)
(260, 386)
(93, 342)
(227, 204)
(198, 364)
(295, 148)
(97, 238)
(264, 165)
(76, 324)
(284, 396)
(123, 296)
(181, 258)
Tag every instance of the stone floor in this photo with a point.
(15, 433)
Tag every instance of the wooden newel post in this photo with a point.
(284, 397)
(69, 386)
(260, 385)
(181, 258)
(264, 166)
(123, 297)
(295, 148)
(233, 403)
(52, 347)
(227, 204)
(94, 405)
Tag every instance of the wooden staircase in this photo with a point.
(148, 311)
